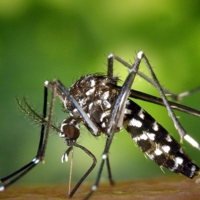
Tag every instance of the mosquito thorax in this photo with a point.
(96, 96)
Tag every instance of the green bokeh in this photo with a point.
(43, 40)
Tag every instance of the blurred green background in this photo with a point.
(43, 40)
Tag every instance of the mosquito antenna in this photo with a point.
(34, 115)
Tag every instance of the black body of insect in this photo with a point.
(103, 107)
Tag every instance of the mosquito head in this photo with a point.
(69, 130)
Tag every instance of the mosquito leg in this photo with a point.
(12, 178)
(177, 124)
(166, 103)
(110, 66)
(95, 186)
(176, 97)
(187, 93)
(43, 126)
(87, 172)
(48, 125)
(156, 100)
(110, 75)
(109, 171)
(117, 114)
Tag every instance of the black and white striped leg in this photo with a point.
(12, 178)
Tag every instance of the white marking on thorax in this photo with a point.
(128, 111)
(90, 106)
(90, 91)
(104, 114)
(106, 104)
(92, 83)
(105, 95)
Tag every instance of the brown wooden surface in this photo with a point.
(167, 188)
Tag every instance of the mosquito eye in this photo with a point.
(71, 132)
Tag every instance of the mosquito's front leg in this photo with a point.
(12, 178)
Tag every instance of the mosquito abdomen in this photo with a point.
(156, 142)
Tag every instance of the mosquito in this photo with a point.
(103, 107)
